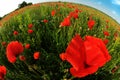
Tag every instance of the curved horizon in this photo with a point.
(111, 7)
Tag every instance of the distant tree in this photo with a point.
(0, 18)
(23, 4)
(29, 4)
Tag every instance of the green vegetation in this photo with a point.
(23, 4)
(50, 40)
(0, 18)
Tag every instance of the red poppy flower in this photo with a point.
(115, 34)
(30, 31)
(107, 21)
(91, 23)
(71, 14)
(11, 58)
(13, 49)
(76, 10)
(62, 56)
(106, 33)
(98, 48)
(105, 41)
(75, 15)
(15, 33)
(3, 43)
(27, 46)
(53, 12)
(80, 10)
(3, 72)
(65, 22)
(30, 25)
(107, 26)
(45, 21)
(36, 55)
(85, 56)
(22, 58)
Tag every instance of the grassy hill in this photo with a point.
(86, 8)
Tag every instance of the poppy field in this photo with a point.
(59, 41)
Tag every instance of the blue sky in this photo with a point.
(110, 7)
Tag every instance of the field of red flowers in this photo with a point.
(59, 41)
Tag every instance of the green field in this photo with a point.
(49, 29)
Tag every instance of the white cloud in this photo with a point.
(117, 2)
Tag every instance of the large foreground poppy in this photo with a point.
(85, 56)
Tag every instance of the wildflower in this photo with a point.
(62, 56)
(27, 46)
(107, 26)
(3, 43)
(22, 58)
(30, 31)
(36, 55)
(75, 15)
(115, 34)
(13, 49)
(106, 33)
(53, 12)
(3, 72)
(80, 10)
(45, 21)
(30, 25)
(107, 21)
(15, 33)
(76, 10)
(71, 14)
(66, 22)
(91, 23)
(105, 41)
(85, 56)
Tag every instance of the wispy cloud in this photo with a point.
(117, 2)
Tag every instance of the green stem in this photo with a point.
(72, 78)
(31, 68)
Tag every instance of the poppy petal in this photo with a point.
(75, 52)
(83, 72)
(96, 52)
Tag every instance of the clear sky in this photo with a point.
(110, 7)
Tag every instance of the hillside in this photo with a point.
(86, 8)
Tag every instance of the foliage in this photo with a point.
(0, 18)
(50, 39)
(23, 4)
